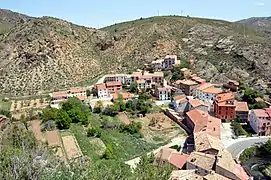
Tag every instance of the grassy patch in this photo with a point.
(126, 146)
(5, 105)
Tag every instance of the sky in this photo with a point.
(100, 13)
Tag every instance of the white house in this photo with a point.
(101, 90)
(206, 92)
(163, 94)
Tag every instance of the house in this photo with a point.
(136, 76)
(187, 86)
(201, 162)
(163, 155)
(198, 91)
(180, 104)
(158, 64)
(113, 87)
(82, 91)
(242, 111)
(232, 85)
(101, 90)
(197, 120)
(142, 84)
(121, 78)
(110, 78)
(128, 79)
(227, 167)
(197, 104)
(158, 78)
(169, 62)
(199, 80)
(58, 97)
(260, 121)
(124, 95)
(206, 143)
(185, 175)
(224, 106)
(162, 93)
(178, 159)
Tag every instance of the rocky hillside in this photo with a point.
(262, 24)
(49, 54)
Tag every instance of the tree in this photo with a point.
(108, 152)
(120, 104)
(88, 92)
(5, 113)
(176, 76)
(63, 120)
(98, 107)
(260, 105)
(49, 114)
(250, 95)
(77, 115)
(133, 88)
(94, 132)
(74, 102)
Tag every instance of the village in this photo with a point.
(203, 110)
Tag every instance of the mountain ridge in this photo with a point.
(46, 54)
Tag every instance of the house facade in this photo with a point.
(169, 62)
(113, 87)
(260, 121)
(224, 106)
(58, 97)
(162, 94)
(77, 92)
(242, 111)
(101, 90)
(187, 86)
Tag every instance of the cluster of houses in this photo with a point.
(60, 96)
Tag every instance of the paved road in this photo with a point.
(242, 143)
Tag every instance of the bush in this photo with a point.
(108, 152)
(63, 120)
(237, 129)
(133, 129)
(5, 113)
(248, 153)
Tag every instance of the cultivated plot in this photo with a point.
(52, 138)
(35, 127)
(71, 147)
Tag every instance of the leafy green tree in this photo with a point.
(144, 96)
(133, 88)
(74, 102)
(260, 105)
(109, 154)
(88, 92)
(63, 120)
(5, 113)
(111, 110)
(176, 76)
(49, 114)
(98, 107)
(250, 95)
(77, 115)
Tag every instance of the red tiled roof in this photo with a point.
(204, 122)
(116, 83)
(125, 95)
(146, 77)
(241, 106)
(171, 57)
(262, 112)
(76, 90)
(212, 90)
(258, 99)
(177, 159)
(196, 102)
(100, 86)
(164, 153)
(59, 94)
(225, 96)
(82, 98)
(179, 97)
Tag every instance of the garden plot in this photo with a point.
(52, 138)
(124, 118)
(35, 127)
(159, 121)
(71, 147)
(23, 105)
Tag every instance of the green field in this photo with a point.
(5, 105)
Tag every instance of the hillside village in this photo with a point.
(197, 106)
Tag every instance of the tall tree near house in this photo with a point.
(88, 92)
(133, 87)
(63, 120)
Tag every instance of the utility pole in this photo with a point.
(158, 12)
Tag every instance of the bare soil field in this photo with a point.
(35, 127)
(159, 121)
(158, 128)
(124, 118)
(52, 138)
(71, 147)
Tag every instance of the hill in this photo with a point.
(258, 23)
(49, 54)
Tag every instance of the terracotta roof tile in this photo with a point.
(258, 99)
(225, 96)
(214, 176)
(241, 106)
(205, 86)
(116, 83)
(178, 159)
(212, 90)
(186, 82)
(59, 94)
(82, 98)
(202, 160)
(204, 141)
(164, 153)
(100, 86)
(185, 175)
(196, 102)
(125, 95)
(77, 90)
(171, 57)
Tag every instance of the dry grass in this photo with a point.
(124, 118)
(35, 127)
(52, 138)
(71, 147)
